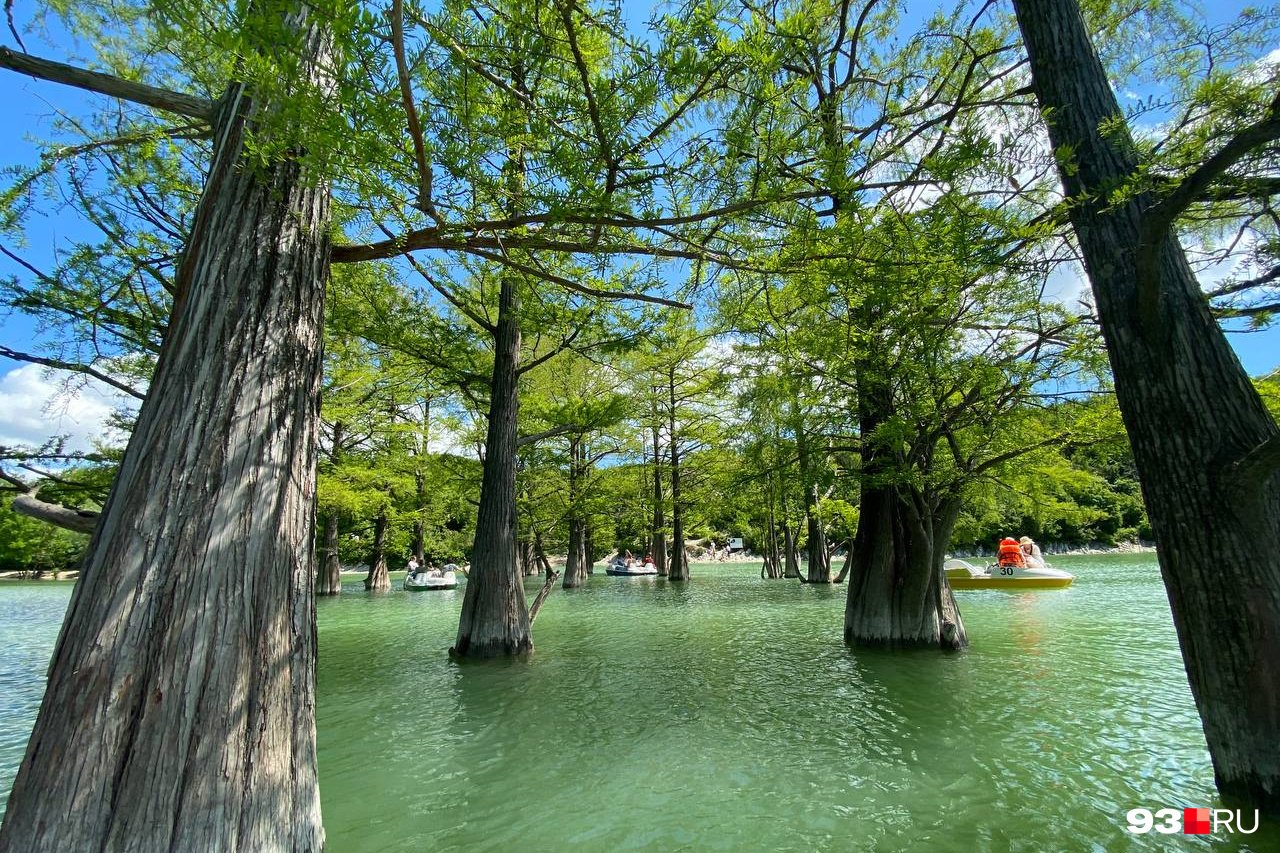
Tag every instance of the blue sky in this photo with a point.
(31, 405)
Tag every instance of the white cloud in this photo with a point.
(37, 403)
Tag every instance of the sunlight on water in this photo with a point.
(725, 714)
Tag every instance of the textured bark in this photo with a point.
(377, 580)
(658, 530)
(791, 560)
(898, 595)
(819, 570)
(329, 579)
(678, 565)
(819, 556)
(1198, 429)
(179, 712)
(494, 622)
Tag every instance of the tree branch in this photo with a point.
(59, 364)
(79, 520)
(1191, 188)
(106, 84)
(574, 286)
(410, 111)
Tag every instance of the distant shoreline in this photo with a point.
(1054, 549)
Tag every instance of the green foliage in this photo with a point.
(28, 545)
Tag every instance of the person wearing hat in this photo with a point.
(1031, 553)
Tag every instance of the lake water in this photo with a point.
(726, 714)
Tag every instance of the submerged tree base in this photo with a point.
(491, 649)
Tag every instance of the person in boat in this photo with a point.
(631, 560)
(1031, 553)
(1010, 553)
(413, 568)
(648, 562)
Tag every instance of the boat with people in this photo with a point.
(423, 580)
(964, 575)
(1019, 565)
(620, 567)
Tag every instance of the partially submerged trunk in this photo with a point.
(678, 567)
(1206, 449)
(816, 537)
(179, 711)
(378, 580)
(329, 579)
(494, 621)
(575, 569)
(791, 557)
(898, 594)
(658, 530)
(771, 568)
(819, 556)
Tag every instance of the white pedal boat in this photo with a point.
(423, 581)
(963, 575)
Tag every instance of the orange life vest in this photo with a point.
(1010, 553)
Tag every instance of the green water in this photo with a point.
(725, 714)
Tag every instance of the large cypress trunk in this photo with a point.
(494, 620)
(791, 560)
(816, 538)
(329, 580)
(819, 557)
(179, 711)
(378, 580)
(898, 595)
(1204, 445)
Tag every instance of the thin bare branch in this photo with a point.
(106, 84)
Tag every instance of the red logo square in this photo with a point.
(1196, 821)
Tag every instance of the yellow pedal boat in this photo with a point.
(962, 575)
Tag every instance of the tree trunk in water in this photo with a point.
(179, 711)
(1204, 445)
(575, 569)
(329, 581)
(378, 580)
(816, 537)
(589, 545)
(329, 578)
(791, 558)
(679, 561)
(819, 557)
(658, 531)
(898, 595)
(494, 621)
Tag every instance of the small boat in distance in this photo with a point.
(620, 568)
(424, 580)
(963, 575)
